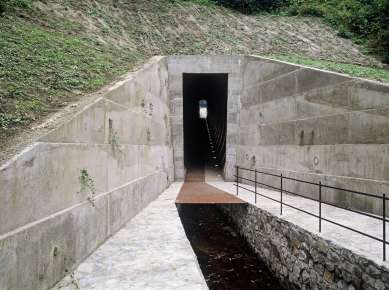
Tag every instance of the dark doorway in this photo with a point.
(213, 89)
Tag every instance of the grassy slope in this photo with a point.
(63, 48)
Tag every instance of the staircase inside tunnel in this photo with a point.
(211, 88)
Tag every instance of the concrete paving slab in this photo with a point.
(364, 246)
(150, 252)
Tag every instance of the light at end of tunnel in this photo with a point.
(214, 157)
(216, 165)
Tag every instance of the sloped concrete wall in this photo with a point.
(345, 125)
(40, 209)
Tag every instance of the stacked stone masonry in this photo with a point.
(301, 259)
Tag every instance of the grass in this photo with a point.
(42, 69)
(350, 69)
(51, 57)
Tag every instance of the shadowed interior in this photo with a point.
(213, 89)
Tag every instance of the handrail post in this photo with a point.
(319, 206)
(255, 172)
(281, 194)
(384, 225)
(237, 180)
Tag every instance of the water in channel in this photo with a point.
(226, 260)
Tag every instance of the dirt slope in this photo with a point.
(129, 32)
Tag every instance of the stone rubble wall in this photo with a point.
(301, 259)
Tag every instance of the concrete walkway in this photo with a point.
(150, 252)
(355, 242)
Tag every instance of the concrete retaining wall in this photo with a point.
(292, 115)
(301, 259)
(288, 116)
(285, 115)
(123, 141)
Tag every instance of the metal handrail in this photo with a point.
(320, 201)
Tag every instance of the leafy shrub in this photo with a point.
(311, 10)
(344, 33)
(252, 6)
(365, 20)
(25, 4)
(5, 120)
(358, 41)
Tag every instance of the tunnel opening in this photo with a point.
(205, 138)
(203, 111)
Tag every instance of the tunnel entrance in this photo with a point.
(212, 89)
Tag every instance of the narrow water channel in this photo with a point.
(226, 260)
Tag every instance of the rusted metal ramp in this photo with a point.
(195, 190)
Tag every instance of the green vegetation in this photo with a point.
(148, 109)
(42, 69)
(87, 182)
(365, 21)
(254, 6)
(113, 140)
(9, 4)
(350, 69)
(149, 136)
(56, 52)
(69, 264)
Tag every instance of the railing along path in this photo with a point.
(320, 186)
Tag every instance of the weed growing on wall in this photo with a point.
(166, 171)
(149, 136)
(253, 161)
(113, 139)
(168, 136)
(311, 136)
(301, 137)
(87, 182)
(148, 109)
(69, 263)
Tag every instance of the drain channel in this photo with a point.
(226, 260)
